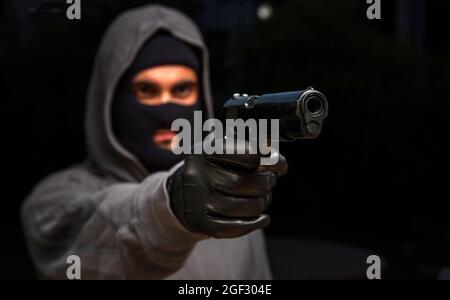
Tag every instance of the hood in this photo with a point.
(120, 44)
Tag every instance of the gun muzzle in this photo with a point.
(300, 113)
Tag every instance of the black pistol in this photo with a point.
(300, 113)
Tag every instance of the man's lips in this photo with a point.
(163, 138)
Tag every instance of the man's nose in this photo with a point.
(166, 97)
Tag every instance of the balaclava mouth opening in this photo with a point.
(134, 124)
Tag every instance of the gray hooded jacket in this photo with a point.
(109, 210)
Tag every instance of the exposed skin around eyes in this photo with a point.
(158, 85)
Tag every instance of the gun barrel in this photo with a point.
(300, 113)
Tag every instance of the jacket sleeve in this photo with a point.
(123, 230)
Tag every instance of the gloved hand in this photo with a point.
(223, 196)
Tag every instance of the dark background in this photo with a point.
(375, 180)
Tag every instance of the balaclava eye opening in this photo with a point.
(134, 124)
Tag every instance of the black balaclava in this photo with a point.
(134, 123)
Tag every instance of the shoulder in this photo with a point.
(79, 177)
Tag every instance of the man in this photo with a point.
(134, 209)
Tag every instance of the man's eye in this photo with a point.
(145, 91)
(183, 90)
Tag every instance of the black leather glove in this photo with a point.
(223, 196)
